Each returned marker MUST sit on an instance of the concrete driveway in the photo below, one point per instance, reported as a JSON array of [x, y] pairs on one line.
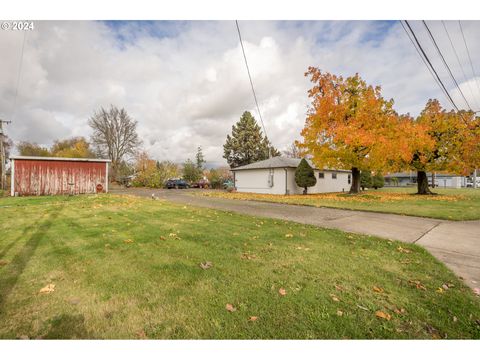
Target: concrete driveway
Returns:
[[457, 244]]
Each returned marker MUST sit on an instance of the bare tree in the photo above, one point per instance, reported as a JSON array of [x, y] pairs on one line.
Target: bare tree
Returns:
[[114, 135], [292, 151]]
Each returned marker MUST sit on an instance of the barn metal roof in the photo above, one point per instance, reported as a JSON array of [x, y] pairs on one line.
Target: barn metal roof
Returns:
[[279, 162], [46, 158]]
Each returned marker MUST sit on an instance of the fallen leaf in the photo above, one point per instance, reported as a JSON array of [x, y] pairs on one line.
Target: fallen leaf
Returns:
[[288, 235], [339, 287], [206, 265], [128, 241], [455, 319], [141, 334], [476, 291], [3, 262], [334, 298], [377, 289], [383, 315], [417, 284], [445, 287], [403, 250], [247, 256], [253, 318], [362, 307], [399, 311], [434, 332], [439, 290], [339, 313], [282, 291], [230, 308], [47, 289], [163, 238]]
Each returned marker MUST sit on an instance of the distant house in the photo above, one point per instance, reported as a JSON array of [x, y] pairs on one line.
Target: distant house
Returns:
[[33, 175], [277, 176], [441, 180]]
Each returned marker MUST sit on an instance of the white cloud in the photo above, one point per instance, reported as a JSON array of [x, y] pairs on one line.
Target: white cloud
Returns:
[[186, 82]]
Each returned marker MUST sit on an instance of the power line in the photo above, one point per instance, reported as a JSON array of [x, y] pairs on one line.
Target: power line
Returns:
[[430, 66], [251, 82], [460, 63], [445, 63], [469, 58], [424, 61]]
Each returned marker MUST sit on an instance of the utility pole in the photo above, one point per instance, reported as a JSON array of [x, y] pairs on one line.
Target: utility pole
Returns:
[[3, 175], [475, 178]]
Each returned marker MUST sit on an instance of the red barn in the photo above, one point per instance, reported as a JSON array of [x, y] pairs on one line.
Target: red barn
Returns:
[[33, 175]]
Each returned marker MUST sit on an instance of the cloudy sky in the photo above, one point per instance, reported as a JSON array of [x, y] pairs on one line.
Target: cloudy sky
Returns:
[[186, 83]]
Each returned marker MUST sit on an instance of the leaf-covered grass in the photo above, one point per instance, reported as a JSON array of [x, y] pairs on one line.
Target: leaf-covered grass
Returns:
[[448, 204], [126, 267]]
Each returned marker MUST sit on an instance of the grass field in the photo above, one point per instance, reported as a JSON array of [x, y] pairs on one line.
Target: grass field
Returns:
[[124, 267], [449, 204]]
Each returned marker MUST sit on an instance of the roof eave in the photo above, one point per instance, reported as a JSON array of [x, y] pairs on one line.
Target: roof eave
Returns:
[[46, 158]]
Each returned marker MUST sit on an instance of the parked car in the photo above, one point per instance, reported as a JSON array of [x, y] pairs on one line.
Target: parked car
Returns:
[[228, 184], [202, 184], [470, 183], [176, 184]]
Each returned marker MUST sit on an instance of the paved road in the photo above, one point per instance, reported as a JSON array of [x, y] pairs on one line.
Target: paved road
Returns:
[[457, 244]]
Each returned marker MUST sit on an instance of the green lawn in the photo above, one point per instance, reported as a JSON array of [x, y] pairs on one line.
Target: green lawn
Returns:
[[128, 268], [448, 204]]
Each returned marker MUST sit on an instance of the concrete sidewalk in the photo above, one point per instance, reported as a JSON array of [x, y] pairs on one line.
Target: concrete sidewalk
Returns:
[[457, 244]]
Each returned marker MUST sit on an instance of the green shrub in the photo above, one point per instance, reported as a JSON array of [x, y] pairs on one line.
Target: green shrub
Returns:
[[366, 180], [378, 181]]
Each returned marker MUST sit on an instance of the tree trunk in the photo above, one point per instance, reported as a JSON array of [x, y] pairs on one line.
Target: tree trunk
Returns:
[[422, 183], [355, 188], [304, 191]]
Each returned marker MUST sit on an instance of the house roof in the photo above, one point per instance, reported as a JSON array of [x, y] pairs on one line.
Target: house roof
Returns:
[[46, 158], [279, 162]]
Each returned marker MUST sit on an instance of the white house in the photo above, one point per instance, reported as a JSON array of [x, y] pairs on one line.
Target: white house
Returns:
[[277, 176], [441, 180]]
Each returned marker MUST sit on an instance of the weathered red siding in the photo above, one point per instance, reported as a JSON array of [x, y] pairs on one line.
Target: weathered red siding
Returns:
[[46, 177]]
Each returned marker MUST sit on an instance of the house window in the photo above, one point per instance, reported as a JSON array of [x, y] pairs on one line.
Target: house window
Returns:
[[349, 178], [334, 175], [321, 175]]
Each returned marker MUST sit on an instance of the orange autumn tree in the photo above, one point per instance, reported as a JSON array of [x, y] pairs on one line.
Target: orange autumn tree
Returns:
[[349, 125], [472, 145], [145, 170], [452, 144]]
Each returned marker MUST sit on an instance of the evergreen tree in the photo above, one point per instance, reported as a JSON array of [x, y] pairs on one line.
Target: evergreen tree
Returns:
[[247, 144], [305, 176], [365, 179], [200, 159]]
